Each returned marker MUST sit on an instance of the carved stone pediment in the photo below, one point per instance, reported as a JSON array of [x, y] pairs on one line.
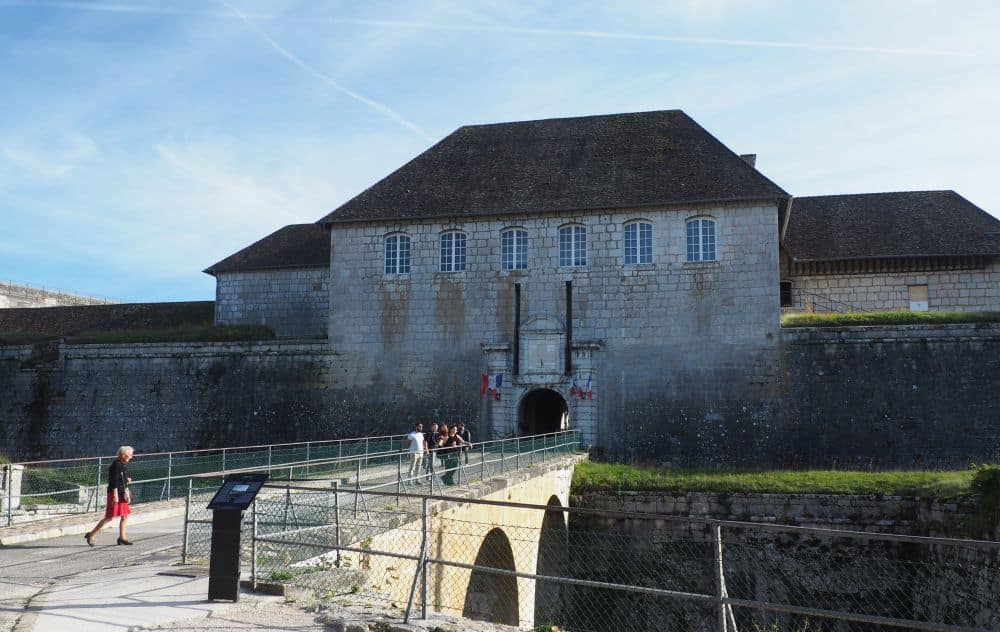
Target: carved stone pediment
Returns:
[[543, 344]]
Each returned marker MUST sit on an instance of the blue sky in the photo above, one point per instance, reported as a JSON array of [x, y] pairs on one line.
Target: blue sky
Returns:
[[142, 141]]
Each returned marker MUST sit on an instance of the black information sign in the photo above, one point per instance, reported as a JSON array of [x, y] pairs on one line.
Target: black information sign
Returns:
[[238, 491], [235, 495]]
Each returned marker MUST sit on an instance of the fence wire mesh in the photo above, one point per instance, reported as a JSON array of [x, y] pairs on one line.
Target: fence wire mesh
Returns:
[[44, 489], [538, 566]]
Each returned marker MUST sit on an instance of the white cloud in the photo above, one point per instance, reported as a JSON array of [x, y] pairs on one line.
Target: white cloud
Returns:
[[46, 155]]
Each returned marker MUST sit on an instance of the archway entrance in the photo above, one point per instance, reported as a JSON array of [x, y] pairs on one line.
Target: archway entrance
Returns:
[[542, 411]]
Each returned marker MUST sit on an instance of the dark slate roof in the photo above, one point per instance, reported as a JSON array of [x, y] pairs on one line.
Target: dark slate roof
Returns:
[[67, 321], [884, 225], [294, 246], [592, 162]]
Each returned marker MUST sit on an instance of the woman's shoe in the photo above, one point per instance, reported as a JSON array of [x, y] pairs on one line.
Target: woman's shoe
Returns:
[[89, 538], [123, 541]]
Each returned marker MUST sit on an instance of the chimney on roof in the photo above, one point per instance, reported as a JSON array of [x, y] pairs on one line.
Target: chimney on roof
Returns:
[[750, 159]]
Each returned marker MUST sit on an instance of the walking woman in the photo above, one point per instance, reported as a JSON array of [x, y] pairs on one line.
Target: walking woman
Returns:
[[118, 497]]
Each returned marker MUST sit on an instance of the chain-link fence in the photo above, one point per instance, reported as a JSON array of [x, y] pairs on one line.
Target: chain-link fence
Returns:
[[305, 498], [43, 489], [583, 569]]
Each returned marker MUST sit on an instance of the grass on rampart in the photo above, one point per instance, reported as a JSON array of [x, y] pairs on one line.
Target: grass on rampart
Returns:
[[24, 337], [887, 318], [610, 477], [222, 333]]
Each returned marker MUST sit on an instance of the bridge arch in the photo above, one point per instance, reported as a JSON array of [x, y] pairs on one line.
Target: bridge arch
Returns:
[[553, 559], [490, 596], [541, 411]]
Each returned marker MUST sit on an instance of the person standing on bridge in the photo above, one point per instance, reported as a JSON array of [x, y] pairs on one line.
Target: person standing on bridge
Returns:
[[430, 444], [466, 435], [415, 444], [118, 497]]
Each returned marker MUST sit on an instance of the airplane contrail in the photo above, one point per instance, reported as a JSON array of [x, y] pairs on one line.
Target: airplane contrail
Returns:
[[292, 57], [518, 30]]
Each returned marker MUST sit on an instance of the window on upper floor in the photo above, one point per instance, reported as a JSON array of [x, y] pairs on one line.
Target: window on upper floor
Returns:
[[397, 254], [573, 246], [514, 249], [701, 239], [638, 243], [453, 252]]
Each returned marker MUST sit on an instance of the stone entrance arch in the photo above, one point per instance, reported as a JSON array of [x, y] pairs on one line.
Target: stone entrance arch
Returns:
[[541, 411], [491, 596]]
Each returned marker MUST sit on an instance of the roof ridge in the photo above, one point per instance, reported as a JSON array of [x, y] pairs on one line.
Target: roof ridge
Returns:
[[574, 118], [833, 195]]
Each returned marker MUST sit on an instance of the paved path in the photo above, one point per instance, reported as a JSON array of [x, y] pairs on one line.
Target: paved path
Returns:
[[30, 568]]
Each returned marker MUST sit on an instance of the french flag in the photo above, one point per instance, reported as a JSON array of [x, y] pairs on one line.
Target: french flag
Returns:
[[496, 381], [573, 389], [590, 392]]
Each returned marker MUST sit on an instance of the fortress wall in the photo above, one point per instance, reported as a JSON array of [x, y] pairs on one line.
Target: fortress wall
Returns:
[[851, 397], [15, 295]]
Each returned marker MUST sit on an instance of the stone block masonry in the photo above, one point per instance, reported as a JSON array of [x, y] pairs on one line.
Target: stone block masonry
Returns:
[[17, 295], [292, 302], [913, 396]]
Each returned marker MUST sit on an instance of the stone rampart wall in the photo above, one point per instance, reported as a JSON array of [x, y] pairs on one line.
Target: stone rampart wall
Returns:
[[915, 396], [15, 295]]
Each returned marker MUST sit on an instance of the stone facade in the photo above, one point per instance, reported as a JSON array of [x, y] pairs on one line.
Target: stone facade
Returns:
[[14, 295], [647, 336], [292, 302], [947, 290]]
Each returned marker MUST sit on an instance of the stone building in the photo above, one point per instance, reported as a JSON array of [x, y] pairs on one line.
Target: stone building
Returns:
[[911, 250], [622, 274]]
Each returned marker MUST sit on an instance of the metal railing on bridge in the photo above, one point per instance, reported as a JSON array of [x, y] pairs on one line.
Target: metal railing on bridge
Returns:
[[364, 477], [550, 567], [34, 490]]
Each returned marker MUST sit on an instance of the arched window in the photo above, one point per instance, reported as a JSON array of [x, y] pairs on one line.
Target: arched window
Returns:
[[701, 239], [453, 252], [638, 243], [572, 246], [397, 254], [514, 249]]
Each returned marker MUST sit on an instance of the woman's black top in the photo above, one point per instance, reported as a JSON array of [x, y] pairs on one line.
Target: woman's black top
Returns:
[[118, 478], [451, 443]]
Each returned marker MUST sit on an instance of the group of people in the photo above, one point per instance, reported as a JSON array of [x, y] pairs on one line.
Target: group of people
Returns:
[[450, 444]]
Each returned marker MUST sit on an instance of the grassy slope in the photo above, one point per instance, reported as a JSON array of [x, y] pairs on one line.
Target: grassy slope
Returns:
[[887, 318], [613, 477]]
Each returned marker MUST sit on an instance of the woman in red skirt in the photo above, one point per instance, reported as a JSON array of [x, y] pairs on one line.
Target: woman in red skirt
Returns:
[[118, 497]]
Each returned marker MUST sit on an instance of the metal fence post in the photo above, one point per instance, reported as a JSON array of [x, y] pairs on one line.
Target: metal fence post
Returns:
[[187, 525], [170, 471], [307, 459], [366, 452], [517, 454], [253, 546], [399, 476], [223, 460], [503, 465], [336, 517], [720, 578], [8, 477], [288, 500], [482, 464], [357, 488], [268, 459], [100, 467]]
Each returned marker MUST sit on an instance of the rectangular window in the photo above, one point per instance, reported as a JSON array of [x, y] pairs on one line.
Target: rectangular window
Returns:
[[514, 250], [701, 240], [572, 246], [918, 298], [453, 252], [397, 254], [786, 293], [638, 243]]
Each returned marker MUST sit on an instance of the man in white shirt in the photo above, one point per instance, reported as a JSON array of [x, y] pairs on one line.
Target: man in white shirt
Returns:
[[415, 444]]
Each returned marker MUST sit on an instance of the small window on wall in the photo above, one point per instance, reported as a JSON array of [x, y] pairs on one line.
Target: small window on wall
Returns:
[[701, 240], [918, 298], [786, 293], [572, 246], [397, 254], [638, 243], [453, 252], [514, 249]]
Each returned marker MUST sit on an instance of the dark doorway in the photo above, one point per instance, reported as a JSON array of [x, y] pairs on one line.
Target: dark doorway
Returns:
[[542, 411], [493, 597]]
